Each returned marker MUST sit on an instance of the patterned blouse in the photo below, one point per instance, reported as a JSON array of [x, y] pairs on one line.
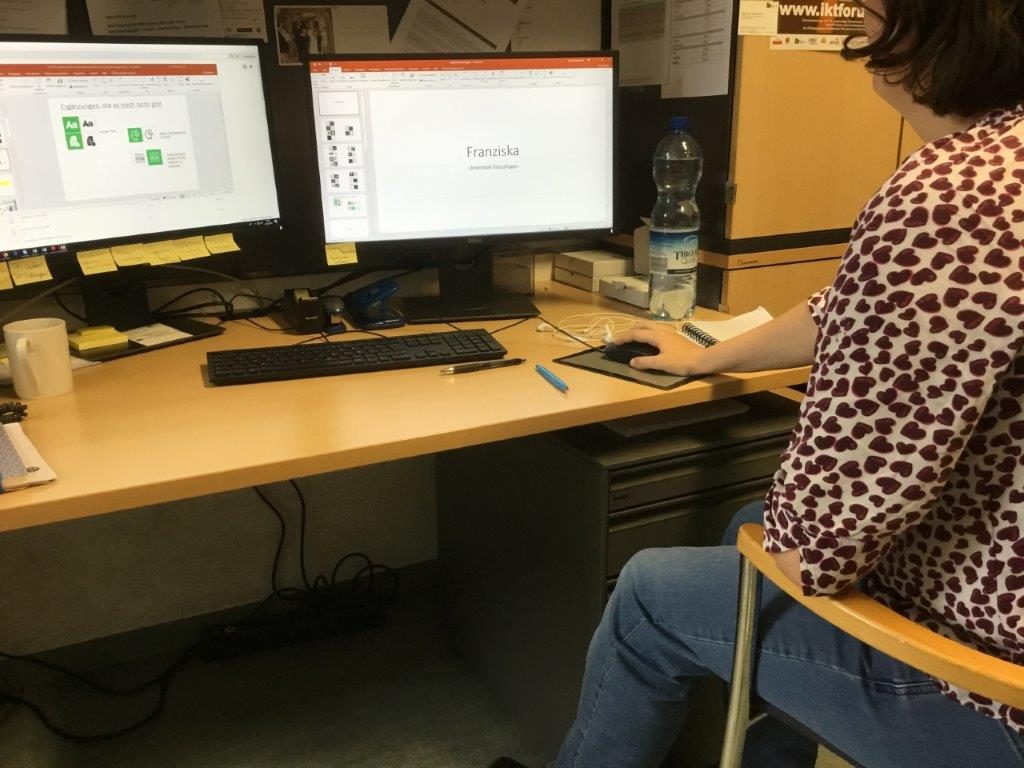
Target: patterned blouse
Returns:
[[906, 469]]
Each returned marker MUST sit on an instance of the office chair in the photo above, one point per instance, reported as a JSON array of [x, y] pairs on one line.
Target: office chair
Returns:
[[865, 619]]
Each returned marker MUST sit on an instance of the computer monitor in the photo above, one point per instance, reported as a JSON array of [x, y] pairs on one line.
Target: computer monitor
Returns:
[[460, 153], [105, 143]]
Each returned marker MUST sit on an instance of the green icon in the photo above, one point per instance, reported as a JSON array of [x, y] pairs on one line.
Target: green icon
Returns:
[[71, 124], [154, 157], [72, 132], [135, 135], [74, 140]]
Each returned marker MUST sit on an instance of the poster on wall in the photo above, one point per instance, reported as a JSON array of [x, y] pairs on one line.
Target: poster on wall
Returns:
[[33, 17], [820, 26]]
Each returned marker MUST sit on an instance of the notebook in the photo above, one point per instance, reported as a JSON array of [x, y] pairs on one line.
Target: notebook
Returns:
[[20, 462], [707, 333]]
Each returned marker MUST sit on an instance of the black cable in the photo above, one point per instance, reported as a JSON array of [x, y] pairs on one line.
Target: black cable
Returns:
[[223, 301], [60, 303], [302, 534], [250, 321], [510, 325], [280, 540]]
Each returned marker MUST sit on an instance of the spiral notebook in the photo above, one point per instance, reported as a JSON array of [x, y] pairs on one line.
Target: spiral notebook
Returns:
[[707, 333]]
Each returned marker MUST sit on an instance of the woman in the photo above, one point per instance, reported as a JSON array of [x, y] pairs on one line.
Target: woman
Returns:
[[906, 470]]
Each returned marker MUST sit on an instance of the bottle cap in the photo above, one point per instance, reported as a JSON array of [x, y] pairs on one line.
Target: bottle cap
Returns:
[[679, 123]]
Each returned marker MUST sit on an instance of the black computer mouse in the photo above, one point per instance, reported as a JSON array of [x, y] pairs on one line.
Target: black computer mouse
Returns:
[[623, 353]]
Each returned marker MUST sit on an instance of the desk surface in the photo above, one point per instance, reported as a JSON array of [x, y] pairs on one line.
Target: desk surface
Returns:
[[150, 428]]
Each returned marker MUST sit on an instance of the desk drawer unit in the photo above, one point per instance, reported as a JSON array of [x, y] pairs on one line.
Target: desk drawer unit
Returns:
[[533, 532]]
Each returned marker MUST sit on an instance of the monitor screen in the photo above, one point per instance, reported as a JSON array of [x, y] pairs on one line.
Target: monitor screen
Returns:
[[105, 141], [429, 147]]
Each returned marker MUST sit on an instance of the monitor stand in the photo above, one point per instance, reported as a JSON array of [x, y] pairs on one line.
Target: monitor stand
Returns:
[[466, 288], [120, 300]]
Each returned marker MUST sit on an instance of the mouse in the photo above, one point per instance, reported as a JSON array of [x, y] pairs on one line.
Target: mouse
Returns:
[[623, 353]]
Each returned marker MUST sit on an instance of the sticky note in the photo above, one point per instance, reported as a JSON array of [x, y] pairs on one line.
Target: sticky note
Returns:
[[221, 243], [130, 255], [341, 253], [96, 262], [191, 248], [162, 252], [5, 277], [30, 270]]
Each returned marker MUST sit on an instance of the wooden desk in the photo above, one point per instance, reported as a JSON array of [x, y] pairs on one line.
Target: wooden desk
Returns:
[[151, 429]]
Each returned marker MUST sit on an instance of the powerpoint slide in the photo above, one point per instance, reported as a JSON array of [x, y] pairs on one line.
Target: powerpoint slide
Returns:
[[345, 181], [346, 206], [340, 130], [342, 155], [494, 157], [338, 103], [123, 146], [348, 230]]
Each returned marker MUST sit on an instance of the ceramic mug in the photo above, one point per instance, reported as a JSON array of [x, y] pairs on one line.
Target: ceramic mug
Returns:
[[39, 357]]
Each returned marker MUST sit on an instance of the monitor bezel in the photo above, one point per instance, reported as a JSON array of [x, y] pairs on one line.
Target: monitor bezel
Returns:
[[423, 245], [238, 227]]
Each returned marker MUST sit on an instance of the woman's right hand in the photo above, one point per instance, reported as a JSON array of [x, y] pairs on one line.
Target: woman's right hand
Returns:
[[676, 354]]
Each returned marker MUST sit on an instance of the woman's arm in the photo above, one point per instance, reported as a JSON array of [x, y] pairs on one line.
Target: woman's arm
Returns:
[[785, 342]]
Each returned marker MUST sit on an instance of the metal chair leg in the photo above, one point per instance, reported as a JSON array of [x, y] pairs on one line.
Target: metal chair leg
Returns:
[[742, 668]]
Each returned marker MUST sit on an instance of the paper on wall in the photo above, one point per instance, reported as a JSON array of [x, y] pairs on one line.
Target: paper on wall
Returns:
[[33, 17], [178, 18], [493, 20], [361, 29], [244, 18], [758, 17], [639, 35], [700, 45], [807, 42], [426, 28], [558, 25]]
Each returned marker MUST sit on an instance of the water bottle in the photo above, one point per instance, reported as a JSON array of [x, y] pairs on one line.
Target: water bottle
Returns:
[[675, 221]]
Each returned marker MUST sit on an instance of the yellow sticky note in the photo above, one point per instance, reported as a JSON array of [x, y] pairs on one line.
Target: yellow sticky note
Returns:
[[130, 255], [341, 253], [97, 261], [190, 248], [30, 270], [162, 252], [221, 243], [5, 277]]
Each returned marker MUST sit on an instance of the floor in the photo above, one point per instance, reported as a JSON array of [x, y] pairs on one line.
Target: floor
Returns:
[[395, 696]]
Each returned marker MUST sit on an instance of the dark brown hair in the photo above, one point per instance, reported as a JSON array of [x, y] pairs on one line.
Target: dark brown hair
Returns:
[[961, 57]]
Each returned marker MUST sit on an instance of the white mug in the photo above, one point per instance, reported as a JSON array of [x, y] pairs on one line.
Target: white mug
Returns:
[[39, 357]]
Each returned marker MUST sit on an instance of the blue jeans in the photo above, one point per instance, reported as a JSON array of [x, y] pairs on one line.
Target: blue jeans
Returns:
[[670, 621]]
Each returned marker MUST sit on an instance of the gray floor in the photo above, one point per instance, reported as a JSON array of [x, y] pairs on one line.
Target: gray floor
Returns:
[[397, 696]]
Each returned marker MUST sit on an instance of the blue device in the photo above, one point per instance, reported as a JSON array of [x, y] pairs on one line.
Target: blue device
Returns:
[[368, 306]]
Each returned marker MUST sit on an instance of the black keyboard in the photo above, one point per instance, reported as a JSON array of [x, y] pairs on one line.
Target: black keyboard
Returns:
[[245, 366]]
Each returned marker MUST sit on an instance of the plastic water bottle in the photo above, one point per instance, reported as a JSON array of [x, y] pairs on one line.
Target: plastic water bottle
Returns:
[[675, 222]]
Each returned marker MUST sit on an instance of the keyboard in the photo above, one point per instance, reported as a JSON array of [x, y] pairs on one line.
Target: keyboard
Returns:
[[247, 366]]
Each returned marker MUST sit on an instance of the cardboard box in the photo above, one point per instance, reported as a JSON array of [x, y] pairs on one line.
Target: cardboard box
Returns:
[[633, 290], [585, 282], [595, 263]]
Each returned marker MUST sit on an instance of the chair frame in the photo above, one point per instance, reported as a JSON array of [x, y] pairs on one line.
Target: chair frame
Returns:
[[864, 618]]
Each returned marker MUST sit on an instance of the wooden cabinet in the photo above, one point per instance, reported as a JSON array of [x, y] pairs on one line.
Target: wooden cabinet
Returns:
[[811, 141]]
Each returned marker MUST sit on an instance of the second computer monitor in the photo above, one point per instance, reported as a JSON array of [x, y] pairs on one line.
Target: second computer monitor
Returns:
[[461, 152]]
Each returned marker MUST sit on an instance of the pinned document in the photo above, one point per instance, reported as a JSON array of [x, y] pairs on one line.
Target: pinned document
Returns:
[[30, 270], [339, 254], [96, 262], [130, 255], [6, 283], [224, 243]]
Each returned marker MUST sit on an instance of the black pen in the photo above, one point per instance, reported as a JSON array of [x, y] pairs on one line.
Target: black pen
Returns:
[[481, 366]]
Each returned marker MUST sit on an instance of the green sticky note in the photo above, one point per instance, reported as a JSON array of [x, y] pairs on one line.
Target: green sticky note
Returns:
[[154, 157], [135, 135]]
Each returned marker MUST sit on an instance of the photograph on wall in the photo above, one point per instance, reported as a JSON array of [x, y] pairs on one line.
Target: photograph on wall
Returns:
[[302, 31]]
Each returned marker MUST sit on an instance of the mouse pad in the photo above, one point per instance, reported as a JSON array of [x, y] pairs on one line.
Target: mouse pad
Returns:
[[594, 360]]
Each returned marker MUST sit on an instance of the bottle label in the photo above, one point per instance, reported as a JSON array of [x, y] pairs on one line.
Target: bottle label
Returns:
[[673, 251]]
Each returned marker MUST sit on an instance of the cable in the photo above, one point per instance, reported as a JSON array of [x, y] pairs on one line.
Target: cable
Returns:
[[559, 328], [60, 303], [510, 325], [223, 301], [302, 534], [280, 540], [36, 299]]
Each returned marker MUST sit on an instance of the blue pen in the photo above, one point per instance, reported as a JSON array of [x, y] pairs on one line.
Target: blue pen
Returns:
[[553, 380]]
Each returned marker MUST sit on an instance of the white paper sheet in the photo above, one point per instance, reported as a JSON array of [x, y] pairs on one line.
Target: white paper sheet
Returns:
[[244, 18], [700, 42], [361, 29], [758, 17], [166, 18], [425, 28], [33, 17], [493, 20], [639, 35], [558, 25]]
